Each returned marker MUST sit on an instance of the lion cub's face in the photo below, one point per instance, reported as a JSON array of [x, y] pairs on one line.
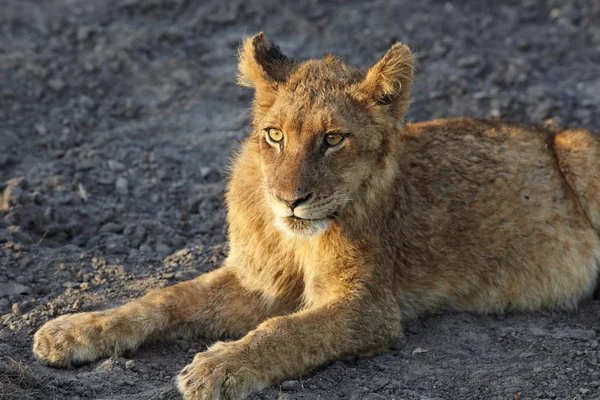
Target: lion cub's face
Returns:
[[324, 129]]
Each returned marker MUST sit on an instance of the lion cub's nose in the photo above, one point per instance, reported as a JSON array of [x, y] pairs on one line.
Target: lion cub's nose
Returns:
[[296, 202]]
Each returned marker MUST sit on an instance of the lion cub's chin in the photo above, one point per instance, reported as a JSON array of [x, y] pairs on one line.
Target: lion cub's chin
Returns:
[[301, 228]]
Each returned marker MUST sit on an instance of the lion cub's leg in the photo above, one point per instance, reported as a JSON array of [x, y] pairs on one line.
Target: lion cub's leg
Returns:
[[578, 153], [289, 346], [214, 304]]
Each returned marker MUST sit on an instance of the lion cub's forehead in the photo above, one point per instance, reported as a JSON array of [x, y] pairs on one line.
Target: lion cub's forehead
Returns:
[[317, 77]]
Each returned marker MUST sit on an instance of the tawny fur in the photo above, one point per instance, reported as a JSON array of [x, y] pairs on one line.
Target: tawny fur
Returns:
[[401, 220]]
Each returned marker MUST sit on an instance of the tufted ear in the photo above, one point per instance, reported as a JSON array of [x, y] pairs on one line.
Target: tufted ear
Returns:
[[389, 81], [263, 67]]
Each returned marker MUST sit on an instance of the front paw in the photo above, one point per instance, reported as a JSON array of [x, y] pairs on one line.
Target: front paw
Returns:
[[67, 340], [220, 373]]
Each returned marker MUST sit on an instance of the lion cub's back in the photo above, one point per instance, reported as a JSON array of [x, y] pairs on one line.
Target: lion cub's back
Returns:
[[490, 220]]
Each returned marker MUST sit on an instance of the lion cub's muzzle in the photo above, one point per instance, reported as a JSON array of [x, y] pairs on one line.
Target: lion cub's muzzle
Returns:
[[302, 215]]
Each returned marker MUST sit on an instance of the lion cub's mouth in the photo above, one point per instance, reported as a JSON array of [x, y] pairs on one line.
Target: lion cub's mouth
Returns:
[[301, 227]]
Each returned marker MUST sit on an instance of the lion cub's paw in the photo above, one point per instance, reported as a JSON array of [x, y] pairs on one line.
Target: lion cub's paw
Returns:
[[219, 373], [68, 340]]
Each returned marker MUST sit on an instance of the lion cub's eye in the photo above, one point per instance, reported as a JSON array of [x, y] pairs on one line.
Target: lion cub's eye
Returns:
[[274, 135], [333, 139]]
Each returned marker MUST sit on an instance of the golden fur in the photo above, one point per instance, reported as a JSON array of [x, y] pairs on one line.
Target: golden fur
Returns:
[[396, 221]]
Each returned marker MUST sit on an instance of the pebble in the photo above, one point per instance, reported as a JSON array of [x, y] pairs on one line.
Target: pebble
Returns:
[[116, 166], [122, 185], [111, 227], [290, 386], [183, 77], [56, 84], [211, 175], [469, 61], [108, 365], [41, 129], [83, 33], [132, 365]]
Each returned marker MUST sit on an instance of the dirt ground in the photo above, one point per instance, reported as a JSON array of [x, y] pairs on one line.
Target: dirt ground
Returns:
[[117, 119]]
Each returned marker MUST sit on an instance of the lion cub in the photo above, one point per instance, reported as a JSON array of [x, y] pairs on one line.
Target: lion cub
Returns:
[[344, 221]]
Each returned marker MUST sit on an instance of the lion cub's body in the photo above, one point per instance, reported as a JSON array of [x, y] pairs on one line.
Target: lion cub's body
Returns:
[[344, 221], [479, 218]]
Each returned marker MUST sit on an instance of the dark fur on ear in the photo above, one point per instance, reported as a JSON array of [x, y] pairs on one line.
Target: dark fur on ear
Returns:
[[263, 66], [267, 54], [389, 81]]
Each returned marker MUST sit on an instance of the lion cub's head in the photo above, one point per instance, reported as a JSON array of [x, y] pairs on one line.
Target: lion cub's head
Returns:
[[326, 130]]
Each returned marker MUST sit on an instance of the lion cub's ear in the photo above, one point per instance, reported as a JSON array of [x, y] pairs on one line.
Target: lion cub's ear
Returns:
[[263, 67], [389, 81]]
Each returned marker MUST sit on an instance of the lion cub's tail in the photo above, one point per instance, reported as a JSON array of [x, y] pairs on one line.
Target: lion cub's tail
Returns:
[[578, 154]]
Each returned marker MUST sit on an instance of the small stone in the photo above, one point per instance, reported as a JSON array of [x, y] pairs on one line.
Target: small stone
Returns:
[[41, 129], [132, 365], [121, 185], [15, 309], [211, 175], [111, 227], [115, 165], [469, 61], [584, 391], [108, 365], [56, 84], [290, 386], [83, 33], [594, 344], [182, 276], [88, 66], [183, 77]]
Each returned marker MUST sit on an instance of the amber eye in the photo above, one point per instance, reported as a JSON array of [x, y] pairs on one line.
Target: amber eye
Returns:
[[333, 139], [275, 135]]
